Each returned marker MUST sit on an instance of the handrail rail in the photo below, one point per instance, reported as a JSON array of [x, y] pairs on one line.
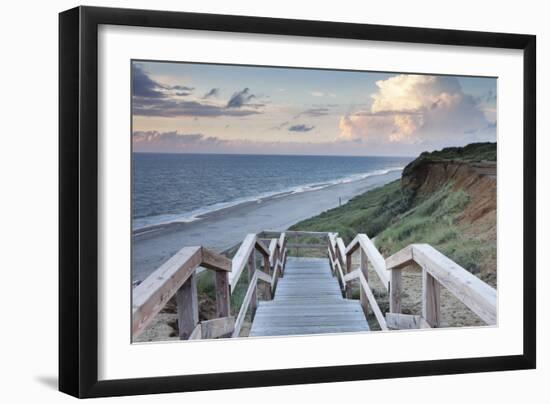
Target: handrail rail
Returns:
[[358, 274], [250, 244], [369, 253], [151, 295], [376, 259], [477, 295], [336, 260], [275, 257]]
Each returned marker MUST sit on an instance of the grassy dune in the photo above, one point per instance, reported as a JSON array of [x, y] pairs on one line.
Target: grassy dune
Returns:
[[397, 216]]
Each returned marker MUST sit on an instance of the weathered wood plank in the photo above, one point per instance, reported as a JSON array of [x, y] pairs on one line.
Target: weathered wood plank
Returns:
[[374, 305], [150, 296], [261, 248], [331, 260], [431, 299], [364, 270], [398, 321], [376, 259], [308, 299], [320, 321], [348, 259], [241, 259], [353, 245], [263, 276], [222, 294], [332, 238], [352, 275], [395, 290], [244, 307], [215, 261], [272, 251], [400, 259], [188, 307], [251, 274], [217, 327], [197, 333], [341, 248], [469, 289], [373, 255], [282, 241], [308, 330], [340, 274]]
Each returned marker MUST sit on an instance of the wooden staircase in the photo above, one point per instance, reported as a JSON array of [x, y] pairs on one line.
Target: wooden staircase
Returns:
[[306, 295], [308, 300]]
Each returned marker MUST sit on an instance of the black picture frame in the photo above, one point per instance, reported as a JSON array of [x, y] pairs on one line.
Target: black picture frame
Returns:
[[78, 200]]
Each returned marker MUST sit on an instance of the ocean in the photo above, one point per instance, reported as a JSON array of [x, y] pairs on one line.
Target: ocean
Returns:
[[183, 187]]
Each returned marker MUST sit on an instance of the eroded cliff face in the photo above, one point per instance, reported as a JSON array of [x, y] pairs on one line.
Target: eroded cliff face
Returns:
[[478, 180]]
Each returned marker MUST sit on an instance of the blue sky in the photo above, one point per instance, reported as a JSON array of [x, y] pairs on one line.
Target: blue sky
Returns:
[[205, 108]]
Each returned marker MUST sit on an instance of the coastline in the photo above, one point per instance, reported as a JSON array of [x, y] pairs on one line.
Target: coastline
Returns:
[[225, 227]]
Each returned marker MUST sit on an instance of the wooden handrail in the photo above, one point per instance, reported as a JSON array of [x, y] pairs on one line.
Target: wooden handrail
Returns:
[[240, 259], [477, 295], [375, 258], [360, 274], [151, 295], [250, 244], [336, 259], [178, 277], [260, 246], [244, 307]]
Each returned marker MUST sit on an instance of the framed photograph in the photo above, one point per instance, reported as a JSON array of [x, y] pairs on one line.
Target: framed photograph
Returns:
[[251, 201]]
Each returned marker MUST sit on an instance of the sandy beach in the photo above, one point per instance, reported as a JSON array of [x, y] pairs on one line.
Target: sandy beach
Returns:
[[224, 228]]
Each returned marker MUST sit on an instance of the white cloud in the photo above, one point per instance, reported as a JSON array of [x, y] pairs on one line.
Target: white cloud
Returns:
[[317, 94], [418, 109]]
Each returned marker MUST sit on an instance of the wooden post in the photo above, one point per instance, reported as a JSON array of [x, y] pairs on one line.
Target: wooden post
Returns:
[[395, 291], [251, 271], [188, 307], [267, 270], [222, 294], [365, 271], [267, 267], [431, 300], [347, 285]]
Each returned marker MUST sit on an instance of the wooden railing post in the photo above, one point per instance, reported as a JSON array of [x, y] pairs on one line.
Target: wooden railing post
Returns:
[[365, 271], [188, 307], [222, 294], [431, 300], [395, 290], [347, 286], [251, 272], [267, 266]]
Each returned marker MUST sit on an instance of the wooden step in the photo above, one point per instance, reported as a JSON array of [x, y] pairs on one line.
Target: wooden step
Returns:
[[308, 300]]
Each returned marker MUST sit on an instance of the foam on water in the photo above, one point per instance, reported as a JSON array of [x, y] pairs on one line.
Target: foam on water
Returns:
[[143, 218]]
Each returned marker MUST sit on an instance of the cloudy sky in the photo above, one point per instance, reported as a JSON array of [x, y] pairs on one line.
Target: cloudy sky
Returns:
[[201, 108]]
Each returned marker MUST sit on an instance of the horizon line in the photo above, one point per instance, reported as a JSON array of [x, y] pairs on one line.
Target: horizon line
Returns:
[[272, 154]]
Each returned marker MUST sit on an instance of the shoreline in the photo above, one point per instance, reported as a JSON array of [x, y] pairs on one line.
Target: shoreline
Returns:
[[223, 228], [223, 207]]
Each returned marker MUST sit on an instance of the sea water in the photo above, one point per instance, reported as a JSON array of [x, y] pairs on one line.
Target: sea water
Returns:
[[183, 187]]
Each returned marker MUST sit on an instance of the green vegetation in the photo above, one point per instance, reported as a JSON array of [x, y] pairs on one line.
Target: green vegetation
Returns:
[[396, 218], [369, 213], [434, 221], [472, 152]]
